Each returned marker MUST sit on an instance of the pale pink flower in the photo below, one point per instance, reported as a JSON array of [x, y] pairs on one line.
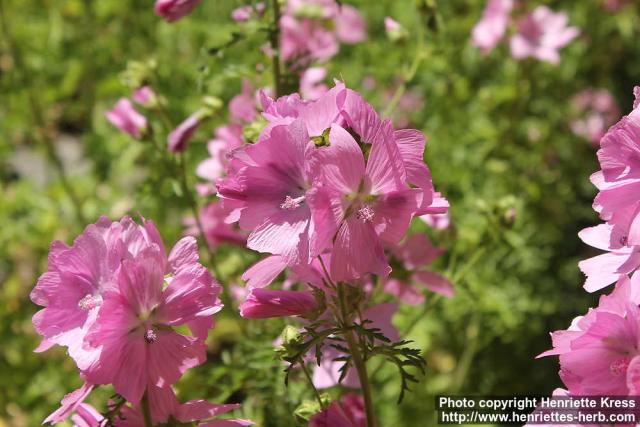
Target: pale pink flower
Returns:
[[172, 10], [311, 83], [264, 303], [391, 25], [351, 28], [541, 34], [179, 138], [605, 269], [145, 96], [134, 330], [268, 192], [125, 117], [597, 110], [349, 411], [242, 107], [242, 13], [618, 182], [164, 406], [413, 255], [227, 139], [438, 213], [492, 26]]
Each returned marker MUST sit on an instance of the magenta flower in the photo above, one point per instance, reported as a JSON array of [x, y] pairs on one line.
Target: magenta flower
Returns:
[[127, 119], [413, 255], [134, 330], [268, 192], [492, 26], [264, 303], [87, 416], [598, 111], [70, 403], [172, 10], [349, 411], [605, 269], [179, 138], [165, 407], [242, 13], [541, 34]]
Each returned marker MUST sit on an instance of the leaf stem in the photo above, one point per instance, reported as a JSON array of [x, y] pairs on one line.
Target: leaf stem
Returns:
[[274, 37], [308, 375]]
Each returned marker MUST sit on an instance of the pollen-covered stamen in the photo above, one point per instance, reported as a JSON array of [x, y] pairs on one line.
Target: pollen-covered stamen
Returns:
[[619, 367], [89, 302], [290, 203], [150, 336], [365, 214]]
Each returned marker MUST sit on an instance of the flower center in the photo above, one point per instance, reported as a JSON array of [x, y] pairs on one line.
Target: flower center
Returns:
[[619, 367], [89, 302], [150, 336], [290, 203], [365, 214]]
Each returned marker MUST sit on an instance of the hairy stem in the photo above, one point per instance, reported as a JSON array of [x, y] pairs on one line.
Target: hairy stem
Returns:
[[146, 411], [310, 380], [275, 47], [358, 361]]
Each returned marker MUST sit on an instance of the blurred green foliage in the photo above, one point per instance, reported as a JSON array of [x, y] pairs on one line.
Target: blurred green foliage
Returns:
[[500, 149]]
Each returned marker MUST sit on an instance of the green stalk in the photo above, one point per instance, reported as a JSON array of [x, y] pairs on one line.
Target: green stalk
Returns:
[[274, 37]]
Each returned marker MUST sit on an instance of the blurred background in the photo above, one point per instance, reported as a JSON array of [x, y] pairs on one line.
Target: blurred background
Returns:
[[505, 147]]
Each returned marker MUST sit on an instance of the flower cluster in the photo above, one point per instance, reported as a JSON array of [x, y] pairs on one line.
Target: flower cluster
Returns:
[[539, 34], [599, 352], [597, 110], [129, 314]]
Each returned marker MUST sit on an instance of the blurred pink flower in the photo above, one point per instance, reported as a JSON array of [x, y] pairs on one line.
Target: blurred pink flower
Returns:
[[242, 107], [311, 83], [351, 28], [492, 26], [413, 255], [349, 411], [598, 110], [391, 24], [145, 96], [264, 303], [172, 10], [125, 117], [242, 13], [227, 139], [437, 215], [541, 34], [216, 230], [179, 138]]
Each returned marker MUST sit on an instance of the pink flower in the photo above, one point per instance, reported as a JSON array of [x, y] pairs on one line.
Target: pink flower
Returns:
[[134, 330], [264, 303], [311, 83], [350, 27], [413, 255], [127, 119], [243, 106], [598, 111], [164, 406], [242, 14], [216, 230], [227, 139], [599, 352], [179, 138], [541, 34], [391, 25], [349, 411], [172, 10], [491, 28], [607, 268], [145, 96], [87, 416], [268, 192]]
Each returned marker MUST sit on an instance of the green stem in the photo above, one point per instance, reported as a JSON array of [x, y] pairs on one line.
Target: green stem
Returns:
[[358, 361], [310, 380], [275, 47], [146, 412], [38, 117]]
